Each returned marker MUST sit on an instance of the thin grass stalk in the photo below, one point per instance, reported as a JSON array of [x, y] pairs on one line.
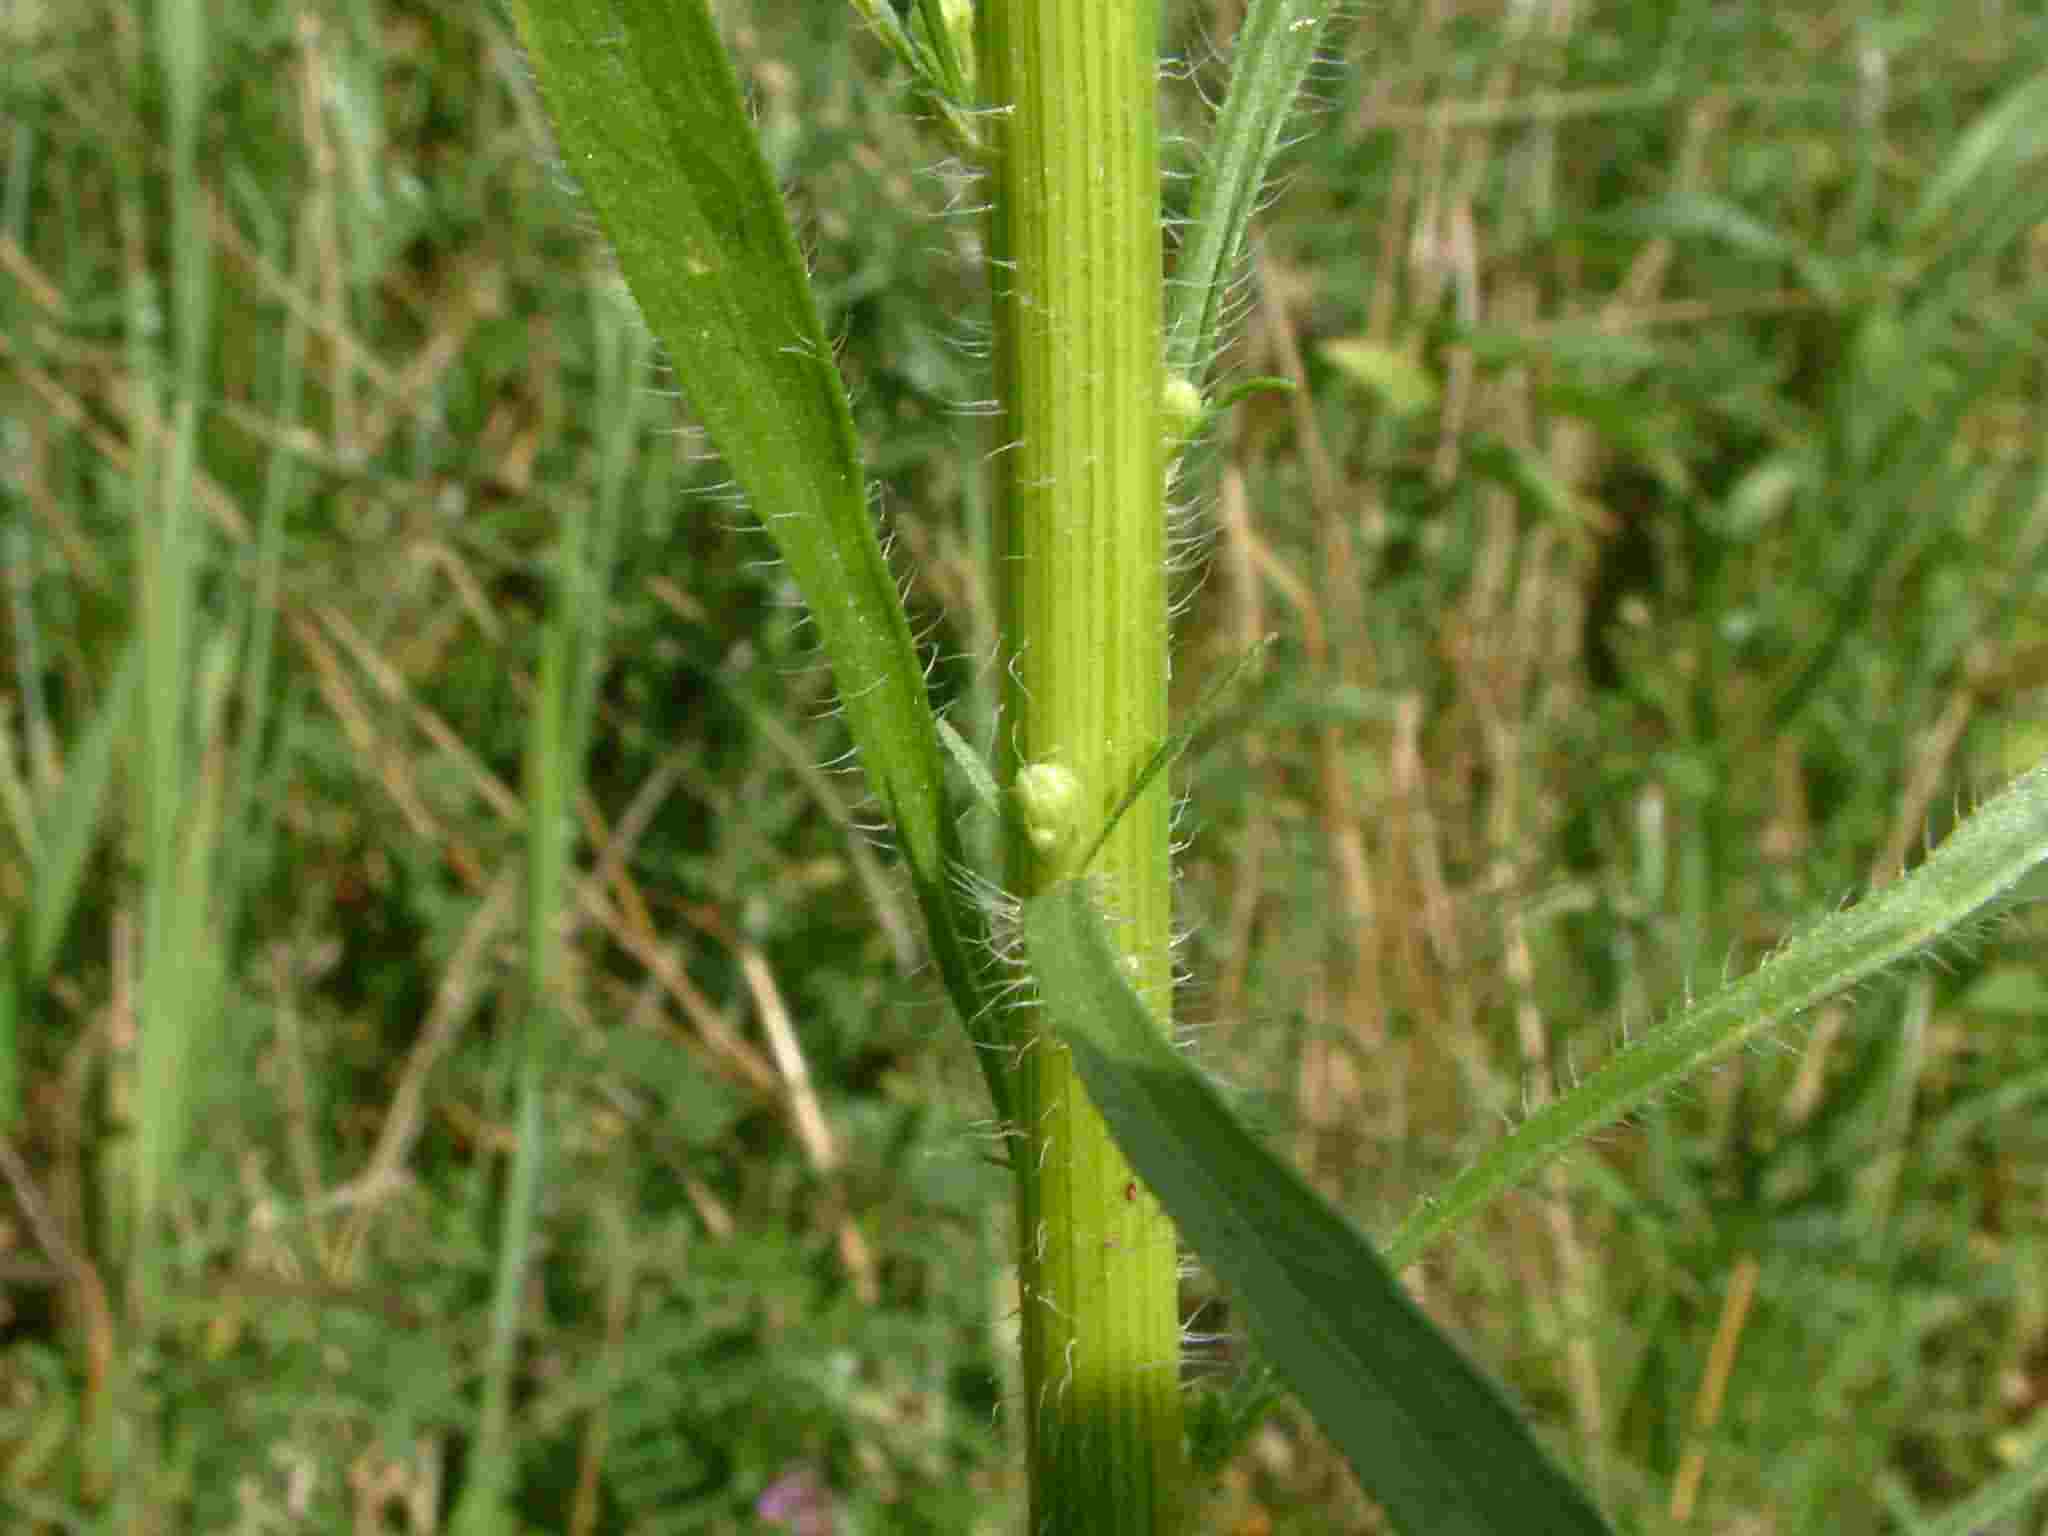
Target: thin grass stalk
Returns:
[[1075, 263], [552, 764], [258, 625], [557, 743], [166, 558], [15, 964], [178, 830]]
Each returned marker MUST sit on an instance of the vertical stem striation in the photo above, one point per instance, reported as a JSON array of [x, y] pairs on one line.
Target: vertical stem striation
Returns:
[[1075, 260]]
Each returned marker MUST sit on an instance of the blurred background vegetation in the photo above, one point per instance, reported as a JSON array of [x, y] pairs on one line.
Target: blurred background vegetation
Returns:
[[1656, 545]]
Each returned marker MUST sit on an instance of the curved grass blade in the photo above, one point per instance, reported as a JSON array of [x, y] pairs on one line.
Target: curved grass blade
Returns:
[[1429, 1437], [650, 119]]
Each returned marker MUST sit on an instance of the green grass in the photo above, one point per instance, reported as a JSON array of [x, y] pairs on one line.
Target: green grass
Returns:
[[1705, 591]]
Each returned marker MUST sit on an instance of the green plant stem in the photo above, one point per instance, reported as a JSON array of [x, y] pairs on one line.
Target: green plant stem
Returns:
[[1080, 569]]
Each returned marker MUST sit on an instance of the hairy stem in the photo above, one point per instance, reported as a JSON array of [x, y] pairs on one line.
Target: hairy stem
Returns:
[[1080, 551]]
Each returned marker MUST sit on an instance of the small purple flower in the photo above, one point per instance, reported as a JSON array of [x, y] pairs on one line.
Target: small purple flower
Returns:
[[799, 1501]]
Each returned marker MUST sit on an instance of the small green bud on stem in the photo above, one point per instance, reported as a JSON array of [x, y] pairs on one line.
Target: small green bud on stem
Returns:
[[1182, 410], [1048, 800]]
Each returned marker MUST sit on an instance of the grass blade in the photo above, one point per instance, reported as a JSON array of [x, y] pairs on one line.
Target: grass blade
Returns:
[[67, 829]]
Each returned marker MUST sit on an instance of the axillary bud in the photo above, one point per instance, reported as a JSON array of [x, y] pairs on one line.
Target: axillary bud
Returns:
[[1048, 802]]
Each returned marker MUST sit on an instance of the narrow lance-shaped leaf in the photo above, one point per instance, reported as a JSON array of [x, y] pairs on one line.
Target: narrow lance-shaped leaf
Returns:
[[1274, 47], [1429, 1437], [1981, 863], [651, 121]]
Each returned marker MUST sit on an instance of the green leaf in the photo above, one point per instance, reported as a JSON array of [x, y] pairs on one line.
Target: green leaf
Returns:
[[1221, 1421], [698, 1108], [1691, 216], [67, 830], [650, 118], [979, 779], [939, 54], [1565, 347], [1980, 870], [1530, 477], [1394, 376], [2008, 139], [2014, 991], [1429, 1437], [2006, 1494], [1275, 44]]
